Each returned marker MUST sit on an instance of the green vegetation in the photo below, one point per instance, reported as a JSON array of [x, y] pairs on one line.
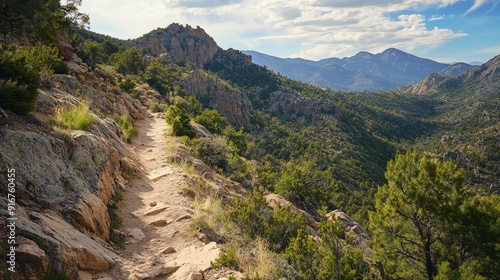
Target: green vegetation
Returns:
[[226, 259], [116, 221], [21, 71], [38, 21], [160, 77], [178, 118], [305, 186], [211, 120], [76, 117], [53, 274], [319, 149], [157, 107], [129, 61], [213, 152], [427, 222], [254, 218], [18, 84], [128, 128]]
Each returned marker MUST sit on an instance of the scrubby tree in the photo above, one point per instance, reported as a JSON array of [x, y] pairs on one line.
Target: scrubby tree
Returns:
[[306, 186], [38, 20], [160, 77], [278, 226], [303, 253], [427, 223], [213, 152], [21, 70], [236, 139], [212, 120], [178, 118], [128, 62], [18, 84]]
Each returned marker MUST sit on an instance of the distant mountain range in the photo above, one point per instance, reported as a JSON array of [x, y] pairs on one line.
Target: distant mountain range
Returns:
[[364, 71]]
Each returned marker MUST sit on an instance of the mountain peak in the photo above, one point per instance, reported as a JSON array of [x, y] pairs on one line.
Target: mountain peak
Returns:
[[393, 50], [182, 42], [363, 54]]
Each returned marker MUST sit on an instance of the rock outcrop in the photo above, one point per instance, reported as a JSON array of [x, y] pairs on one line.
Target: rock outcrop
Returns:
[[353, 229], [215, 93], [181, 43], [274, 199]]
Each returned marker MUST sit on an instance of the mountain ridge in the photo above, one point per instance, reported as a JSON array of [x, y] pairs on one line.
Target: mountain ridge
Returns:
[[364, 71]]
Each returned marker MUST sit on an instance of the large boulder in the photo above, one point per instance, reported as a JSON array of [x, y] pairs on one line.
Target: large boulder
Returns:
[[67, 247], [353, 229]]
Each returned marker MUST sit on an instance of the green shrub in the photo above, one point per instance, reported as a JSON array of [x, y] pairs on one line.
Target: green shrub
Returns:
[[305, 186], [53, 274], [42, 59], [128, 128], [239, 170], [178, 118], [116, 221], [18, 83], [256, 219], [160, 77], [304, 254], [194, 105], [128, 62], [214, 152], [236, 139], [77, 118], [226, 259], [211, 120], [156, 107], [127, 85]]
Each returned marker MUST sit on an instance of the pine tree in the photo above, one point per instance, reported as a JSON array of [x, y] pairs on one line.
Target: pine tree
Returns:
[[425, 217]]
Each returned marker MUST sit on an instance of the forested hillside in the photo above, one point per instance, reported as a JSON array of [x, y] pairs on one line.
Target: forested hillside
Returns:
[[418, 167]]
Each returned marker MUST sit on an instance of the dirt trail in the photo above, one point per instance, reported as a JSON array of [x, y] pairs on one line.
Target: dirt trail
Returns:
[[156, 216]]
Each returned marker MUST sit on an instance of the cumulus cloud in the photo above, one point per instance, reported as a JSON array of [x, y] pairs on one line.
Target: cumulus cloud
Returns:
[[312, 29]]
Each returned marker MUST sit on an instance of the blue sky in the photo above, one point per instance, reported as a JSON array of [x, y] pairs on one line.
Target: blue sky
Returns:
[[443, 30]]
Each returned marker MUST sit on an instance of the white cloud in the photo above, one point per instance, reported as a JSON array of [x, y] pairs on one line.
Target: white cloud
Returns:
[[437, 17], [477, 4], [313, 29]]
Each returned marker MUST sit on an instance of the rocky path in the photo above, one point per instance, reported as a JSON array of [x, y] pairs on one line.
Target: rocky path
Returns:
[[160, 242]]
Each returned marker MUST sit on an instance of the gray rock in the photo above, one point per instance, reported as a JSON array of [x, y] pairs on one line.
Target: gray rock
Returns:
[[136, 234]]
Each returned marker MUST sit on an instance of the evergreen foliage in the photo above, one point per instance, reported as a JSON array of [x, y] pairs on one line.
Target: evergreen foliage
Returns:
[[38, 21], [160, 77], [18, 83], [214, 152], [305, 186], [256, 219], [211, 120], [427, 220], [178, 118], [128, 61]]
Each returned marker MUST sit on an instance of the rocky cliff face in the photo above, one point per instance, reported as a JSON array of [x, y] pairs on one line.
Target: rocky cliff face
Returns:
[[66, 180], [218, 94], [181, 42]]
